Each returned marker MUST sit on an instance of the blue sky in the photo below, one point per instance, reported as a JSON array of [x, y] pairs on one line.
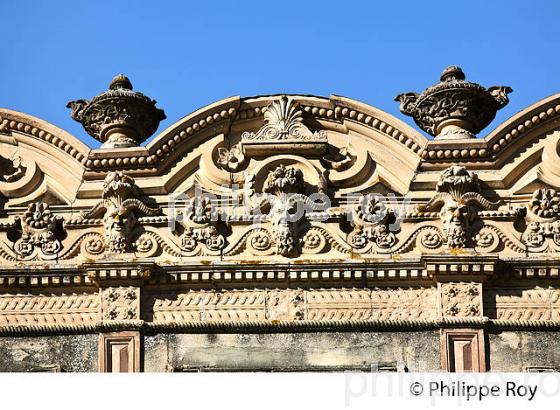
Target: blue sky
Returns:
[[186, 55]]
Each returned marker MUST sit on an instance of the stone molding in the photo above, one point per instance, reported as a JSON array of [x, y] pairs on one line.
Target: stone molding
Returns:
[[87, 241]]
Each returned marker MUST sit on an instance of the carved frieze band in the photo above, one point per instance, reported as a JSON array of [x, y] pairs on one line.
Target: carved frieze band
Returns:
[[28, 310], [449, 301], [522, 303], [458, 216], [297, 304]]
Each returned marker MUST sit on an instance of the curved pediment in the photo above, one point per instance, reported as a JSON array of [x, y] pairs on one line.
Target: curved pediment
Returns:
[[39, 160], [370, 185], [281, 213]]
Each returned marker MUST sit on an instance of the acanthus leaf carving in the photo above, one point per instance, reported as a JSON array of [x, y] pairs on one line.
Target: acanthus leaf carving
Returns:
[[458, 197], [40, 230], [284, 131], [120, 208], [372, 220], [201, 226]]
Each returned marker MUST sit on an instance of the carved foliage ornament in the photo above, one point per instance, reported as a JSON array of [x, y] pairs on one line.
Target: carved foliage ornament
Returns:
[[231, 159], [11, 170], [201, 226], [454, 108], [285, 208], [118, 117], [461, 299], [39, 230], [287, 186], [121, 303], [120, 209], [284, 131], [458, 195], [545, 203], [372, 220]]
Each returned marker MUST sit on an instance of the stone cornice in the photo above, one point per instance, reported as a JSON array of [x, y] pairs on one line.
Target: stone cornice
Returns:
[[421, 271]]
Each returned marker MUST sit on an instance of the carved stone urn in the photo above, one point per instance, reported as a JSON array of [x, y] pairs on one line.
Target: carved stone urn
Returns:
[[118, 117], [454, 108]]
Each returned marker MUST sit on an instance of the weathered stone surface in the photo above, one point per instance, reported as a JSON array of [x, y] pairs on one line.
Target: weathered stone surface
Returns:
[[519, 351], [72, 353], [415, 351], [282, 232]]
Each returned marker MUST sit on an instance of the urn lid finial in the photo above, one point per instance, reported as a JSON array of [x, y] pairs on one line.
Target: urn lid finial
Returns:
[[453, 72], [118, 117], [454, 108], [120, 81]]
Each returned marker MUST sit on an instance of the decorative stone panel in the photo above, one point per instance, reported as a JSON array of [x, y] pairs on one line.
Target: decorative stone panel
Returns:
[[26, 310], [209, 306], [461, 299], [285, 305], [339, 304], [297, 304], [538, 303], [404, 303], [121, 303]]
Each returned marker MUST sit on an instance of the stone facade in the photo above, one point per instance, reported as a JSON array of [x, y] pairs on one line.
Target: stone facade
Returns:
[[283, 233]]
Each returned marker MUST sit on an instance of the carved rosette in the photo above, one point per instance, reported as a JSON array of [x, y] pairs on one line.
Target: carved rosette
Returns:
[[454, 108], [120, 303], [118, 117], [201, 227], [40, 232], [545, 206], [372, 221], [461, 299]]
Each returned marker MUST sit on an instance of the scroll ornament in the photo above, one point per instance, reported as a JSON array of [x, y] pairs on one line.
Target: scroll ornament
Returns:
[[40, 229], [545, 204], [120, 209], [458, 197], [201, 226], [372, 220]]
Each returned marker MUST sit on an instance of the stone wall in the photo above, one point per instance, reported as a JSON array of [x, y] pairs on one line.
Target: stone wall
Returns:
[[316, 351], [72, 353], [518, 351], [508, 351]]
